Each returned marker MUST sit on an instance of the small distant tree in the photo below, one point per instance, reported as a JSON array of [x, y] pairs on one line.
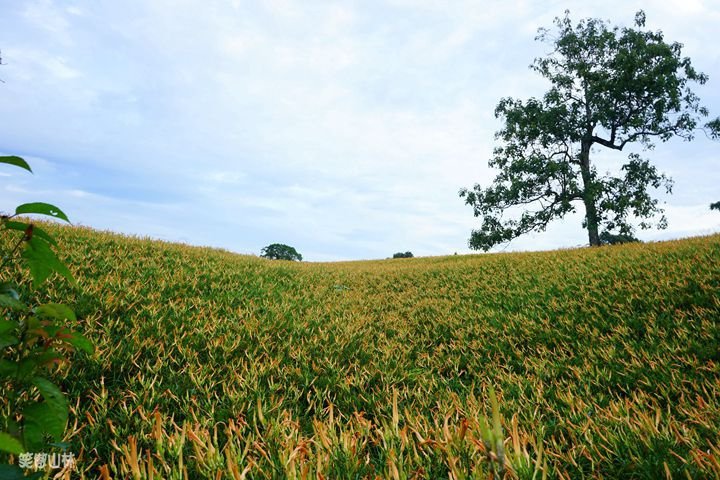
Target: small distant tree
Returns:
[[715, 206], [403, 255], [279, 251], [608, 238]]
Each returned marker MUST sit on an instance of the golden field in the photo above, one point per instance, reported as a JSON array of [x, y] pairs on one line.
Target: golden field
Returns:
[[605, 361]]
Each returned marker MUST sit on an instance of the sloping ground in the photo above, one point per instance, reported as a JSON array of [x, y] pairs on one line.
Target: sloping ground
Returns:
[[214, 365]]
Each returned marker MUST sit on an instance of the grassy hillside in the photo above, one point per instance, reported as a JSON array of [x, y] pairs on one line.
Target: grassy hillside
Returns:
[[606, 362]]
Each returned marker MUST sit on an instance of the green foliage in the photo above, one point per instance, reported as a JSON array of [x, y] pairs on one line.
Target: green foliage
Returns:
[[17, 161], [42, 209], [715, 206], [34, 412], [279, 251], [493, 438], [610, 87], [10, 444], [402, 255], [712, 129], [608, 238]]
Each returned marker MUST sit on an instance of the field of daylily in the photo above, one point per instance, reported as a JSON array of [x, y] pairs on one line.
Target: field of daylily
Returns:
[[605, 363]]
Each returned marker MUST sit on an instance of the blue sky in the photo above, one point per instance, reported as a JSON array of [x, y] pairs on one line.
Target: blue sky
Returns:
[[344, 129]]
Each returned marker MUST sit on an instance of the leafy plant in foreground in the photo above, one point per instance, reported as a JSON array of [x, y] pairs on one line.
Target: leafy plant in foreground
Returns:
[[32, 340]]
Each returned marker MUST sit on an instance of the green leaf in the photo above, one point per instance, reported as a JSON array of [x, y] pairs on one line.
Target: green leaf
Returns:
[[81, 343], [42, 262], [13, 428], [41, 209], [7, 326], [7, 340], [47, 418], [52, 330], [33, 323], [9, 302], [7, 368], [50, 392], [55, 311], [12, 472], [37, 232], [10, 444], [17, 161], [27, 367], [41, 359]]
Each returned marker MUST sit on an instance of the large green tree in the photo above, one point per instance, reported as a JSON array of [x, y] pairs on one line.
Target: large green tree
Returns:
[[610, 87]]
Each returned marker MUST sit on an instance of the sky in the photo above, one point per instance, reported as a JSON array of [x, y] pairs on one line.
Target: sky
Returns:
[[342, 128]]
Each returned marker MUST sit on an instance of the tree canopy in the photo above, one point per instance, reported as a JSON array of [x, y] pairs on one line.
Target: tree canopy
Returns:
[[607, 238], [610, 87], [402, 255], [279, 251]]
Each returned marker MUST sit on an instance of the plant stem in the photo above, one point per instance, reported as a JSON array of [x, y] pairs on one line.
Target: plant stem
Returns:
[[9, 256]]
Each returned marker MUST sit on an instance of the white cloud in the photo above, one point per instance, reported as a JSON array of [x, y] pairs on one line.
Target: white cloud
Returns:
[[347, 127], [45, 15]]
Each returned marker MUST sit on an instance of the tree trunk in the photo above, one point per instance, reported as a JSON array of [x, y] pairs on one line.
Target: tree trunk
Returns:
[[591, 216]]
